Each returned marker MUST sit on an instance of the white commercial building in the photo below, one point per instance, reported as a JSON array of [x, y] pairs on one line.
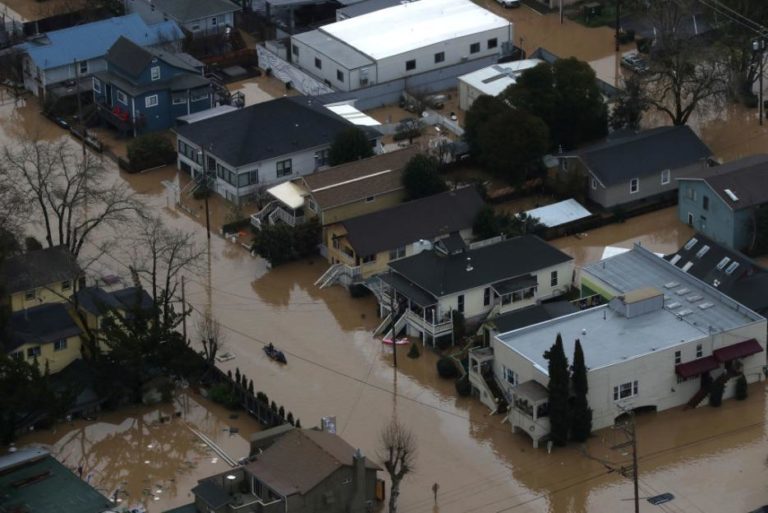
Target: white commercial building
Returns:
[[399, 42], [491, 81], [646, 349]]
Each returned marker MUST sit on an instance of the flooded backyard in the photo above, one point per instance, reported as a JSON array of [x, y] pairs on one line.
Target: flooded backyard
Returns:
[[336, 368]]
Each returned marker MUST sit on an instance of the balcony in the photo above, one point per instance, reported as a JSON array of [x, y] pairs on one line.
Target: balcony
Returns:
[[529, 412], [292, 218], [119, 118]]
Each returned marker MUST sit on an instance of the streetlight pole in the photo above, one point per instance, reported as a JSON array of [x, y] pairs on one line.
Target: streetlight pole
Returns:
[[206, 179], [618, 24], [758, 48]]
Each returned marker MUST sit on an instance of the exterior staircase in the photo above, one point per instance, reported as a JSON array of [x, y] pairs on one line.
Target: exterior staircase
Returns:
[[703, 392], [495, 390], [399, 325], [329, 276]]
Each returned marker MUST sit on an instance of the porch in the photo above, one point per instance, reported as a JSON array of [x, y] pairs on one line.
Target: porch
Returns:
[[118, 118], [286, 207], [529, 411], [483, 380], [515, 293]]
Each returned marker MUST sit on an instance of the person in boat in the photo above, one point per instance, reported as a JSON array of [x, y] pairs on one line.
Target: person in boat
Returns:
[[270, 347]]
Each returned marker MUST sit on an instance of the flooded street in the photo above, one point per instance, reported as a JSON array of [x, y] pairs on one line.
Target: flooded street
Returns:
[[336, 368]]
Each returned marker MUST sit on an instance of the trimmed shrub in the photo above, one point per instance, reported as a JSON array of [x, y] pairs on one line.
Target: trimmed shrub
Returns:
[[446, 368], [716, 394], [463, 388], [741, 388], [224, 395], [414, 352], [150, 150]]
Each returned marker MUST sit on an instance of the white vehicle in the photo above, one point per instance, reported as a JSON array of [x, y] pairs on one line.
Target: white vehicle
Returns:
[[509, 3]]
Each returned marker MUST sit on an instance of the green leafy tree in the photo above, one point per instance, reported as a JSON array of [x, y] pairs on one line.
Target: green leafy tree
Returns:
[[512, 144], [581, 414], [559, 392], [482, 109], [489, 223], [566, 97], [150, 150], [742, 390], [716, 393], [23, 391], [486, 224], [281, 243], [421, 177], [350, 145]]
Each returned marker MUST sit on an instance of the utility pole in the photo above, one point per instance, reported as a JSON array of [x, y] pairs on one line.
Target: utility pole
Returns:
[[758, 49], [392, 318], [618, 23], [628, 428], [561, 12], [79, 105], [183, 309]]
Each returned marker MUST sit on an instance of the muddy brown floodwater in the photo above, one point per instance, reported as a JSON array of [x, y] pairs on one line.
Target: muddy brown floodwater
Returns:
[[336, 368]]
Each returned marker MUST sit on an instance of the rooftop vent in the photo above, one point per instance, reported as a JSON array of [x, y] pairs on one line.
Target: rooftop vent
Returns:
[[671, 285], [469, 264], [705, 306], [731, 195], [684, 312], [673, 305], [694, 297], [683, 291]]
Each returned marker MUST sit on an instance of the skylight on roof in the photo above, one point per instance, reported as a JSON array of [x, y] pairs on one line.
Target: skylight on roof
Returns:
[[731, 195], [675, 259], [723, 263], [691, 243], [732, 268], [687, 266], [702, 252]]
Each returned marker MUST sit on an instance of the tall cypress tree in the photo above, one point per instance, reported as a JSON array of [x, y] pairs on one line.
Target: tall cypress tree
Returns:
[[581, 414], [559, 391]]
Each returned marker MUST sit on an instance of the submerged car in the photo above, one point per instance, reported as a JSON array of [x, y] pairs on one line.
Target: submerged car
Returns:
[[634, 62]]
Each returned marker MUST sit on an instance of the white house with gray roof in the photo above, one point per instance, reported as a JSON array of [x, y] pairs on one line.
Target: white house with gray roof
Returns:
[[400, 41], [646, 349], [199, 17]]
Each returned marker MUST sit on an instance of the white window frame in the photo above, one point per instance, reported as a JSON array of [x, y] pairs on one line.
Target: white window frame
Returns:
[[554, 279], [666, 176], [594, 184], [96, 85], [280, 168], [30, 294], [34, 351], [699, 350], [630, 389], [510, 376], [199, 96], [154, 73], [179, 100], [396, 253], [121, 97], [60, 345], [151, 101], [82, 68], [678, 357], [636, 183]]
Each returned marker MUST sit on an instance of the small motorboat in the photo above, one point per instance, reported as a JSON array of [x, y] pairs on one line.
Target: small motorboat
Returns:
[[396, 342], [275, 353]]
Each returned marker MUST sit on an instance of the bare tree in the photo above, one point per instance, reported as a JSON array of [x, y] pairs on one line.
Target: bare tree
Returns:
[[69, 193], [685, 71], [397, 450], [211, 335], [161, 255]]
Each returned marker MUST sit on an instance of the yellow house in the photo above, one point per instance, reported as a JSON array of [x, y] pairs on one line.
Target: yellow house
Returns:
[[47, 334], [40, 277], [364, 246], [341, 192]]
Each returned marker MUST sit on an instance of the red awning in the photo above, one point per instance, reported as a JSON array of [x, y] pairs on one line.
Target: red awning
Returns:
[[696, 367], [740, 350]]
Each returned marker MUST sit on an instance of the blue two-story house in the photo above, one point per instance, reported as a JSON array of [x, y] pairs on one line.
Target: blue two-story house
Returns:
[[721, 202], [146, 89]]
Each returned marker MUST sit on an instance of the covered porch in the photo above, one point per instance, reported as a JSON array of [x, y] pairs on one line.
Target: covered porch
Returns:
[[529, 411], [515, 293], [483, 380], [287, 206]]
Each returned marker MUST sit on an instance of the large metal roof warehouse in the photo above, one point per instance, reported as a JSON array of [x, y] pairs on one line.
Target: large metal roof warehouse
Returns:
[[400, 41]]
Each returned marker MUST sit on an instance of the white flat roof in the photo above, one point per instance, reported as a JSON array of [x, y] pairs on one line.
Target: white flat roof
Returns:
[[413, 25], [289, 194], [559, 213], [352, 115], [494, 79], [207, 113]]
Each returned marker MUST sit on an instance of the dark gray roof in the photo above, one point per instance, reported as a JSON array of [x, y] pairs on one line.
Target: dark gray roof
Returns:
[[96, 300], [747, 283], [619, 159], [212, 494], [407, 288], [441, 275], [746, 178], [186, 10], [532, 315], [180, 82], [266, 130], [133, 59], [133, 297], [39, 268], [424, 218], [41, 324], [367, 6]]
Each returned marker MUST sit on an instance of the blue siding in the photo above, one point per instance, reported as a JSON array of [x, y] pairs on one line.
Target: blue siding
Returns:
[[718, 221]]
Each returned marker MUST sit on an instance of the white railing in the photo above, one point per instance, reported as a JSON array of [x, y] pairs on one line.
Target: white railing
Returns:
[[258, 218], [434, 329], [285, 217]]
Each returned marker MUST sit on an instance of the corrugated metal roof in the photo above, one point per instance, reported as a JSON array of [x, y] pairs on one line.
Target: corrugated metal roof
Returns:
[[92, 40]]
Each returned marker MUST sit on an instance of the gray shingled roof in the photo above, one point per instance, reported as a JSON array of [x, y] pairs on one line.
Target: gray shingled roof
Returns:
[[266, 130], [189, 10], [39, 268], [621, 158], [532, 315], [133, 59], [212, 494], [746, 178], [41, 324], [424, 218], [442, 275]]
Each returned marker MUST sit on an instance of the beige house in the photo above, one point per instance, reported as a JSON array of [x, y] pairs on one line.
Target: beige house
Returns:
[[46, 334], [364, 246], [40, 277]]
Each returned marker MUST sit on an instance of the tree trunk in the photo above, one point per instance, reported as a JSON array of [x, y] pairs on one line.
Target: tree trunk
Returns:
[[394, 494]]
